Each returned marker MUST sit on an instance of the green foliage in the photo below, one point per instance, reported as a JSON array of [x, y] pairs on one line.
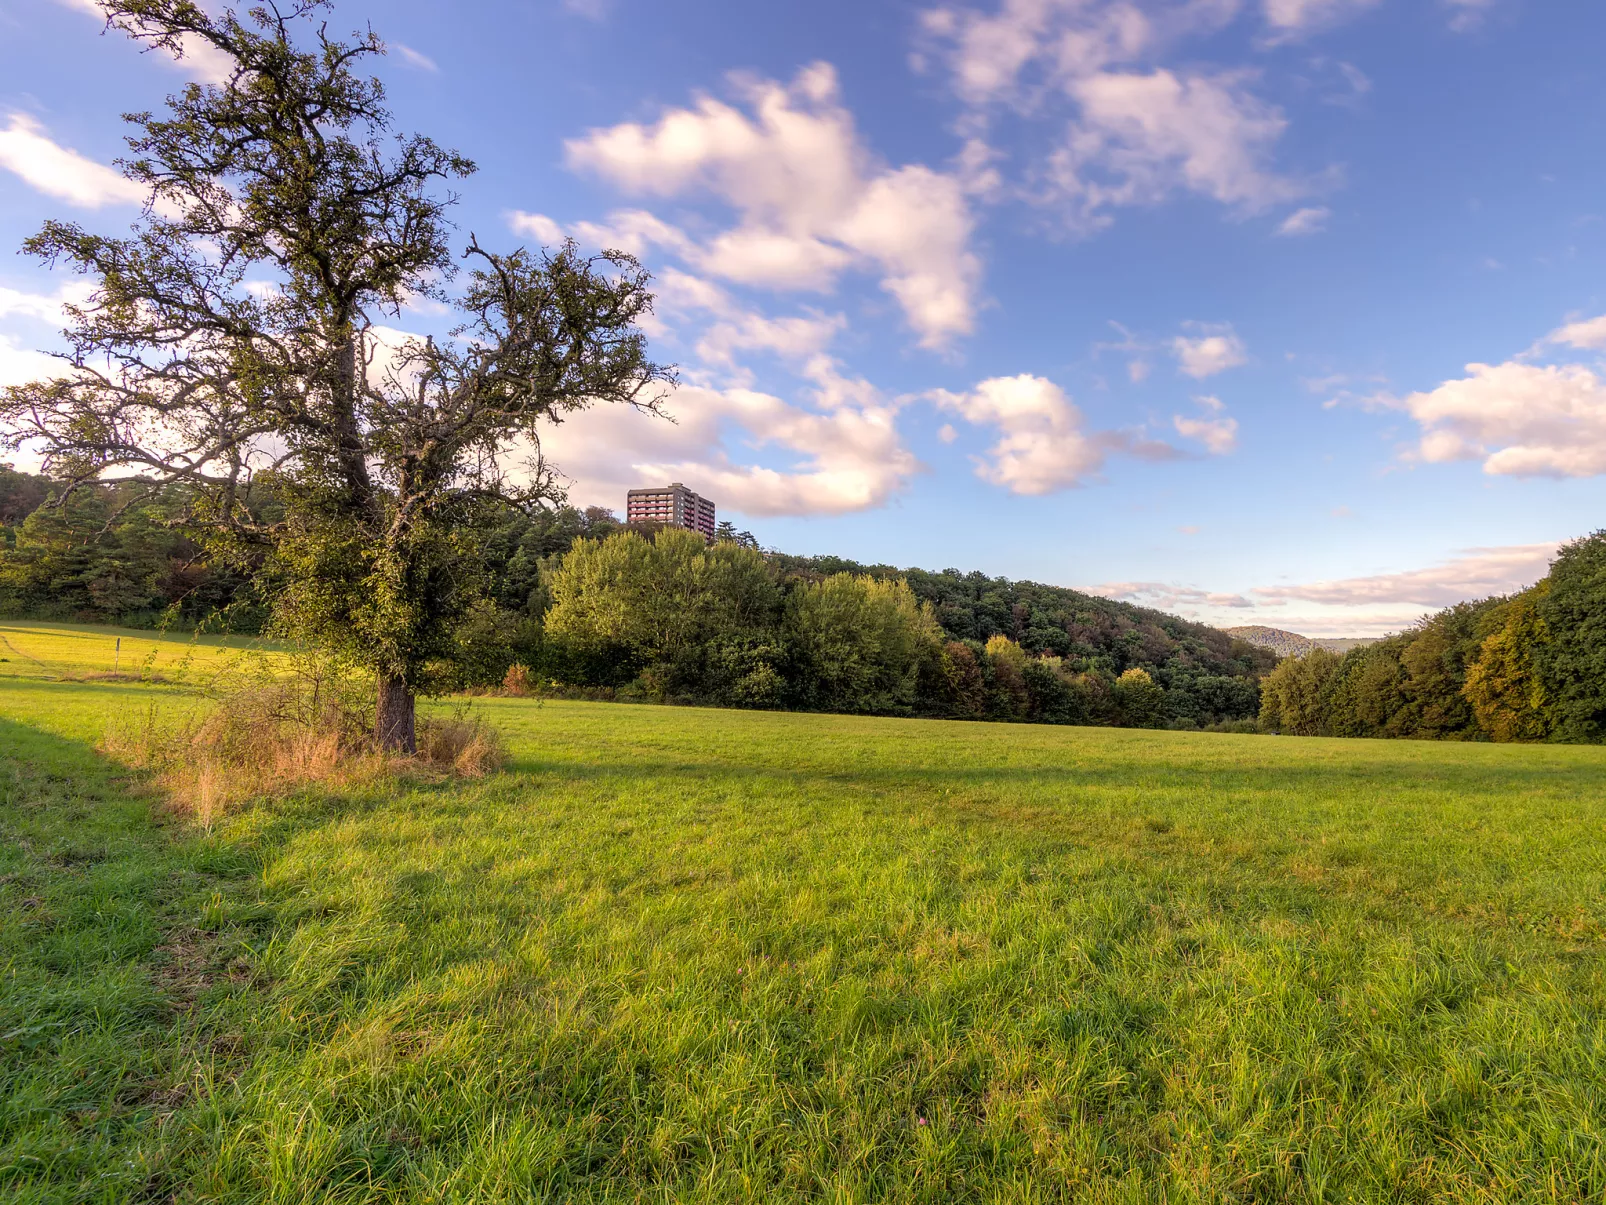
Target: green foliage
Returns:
[[383, 461], [1139, 701], [860, 643], [1571, 662], [1503, 685], [117, 553], [1089, 633], [671, 607], [1526, 668], [1294, 696]]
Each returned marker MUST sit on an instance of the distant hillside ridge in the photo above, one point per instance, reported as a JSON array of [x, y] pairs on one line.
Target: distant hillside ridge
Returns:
[[1292, 644]]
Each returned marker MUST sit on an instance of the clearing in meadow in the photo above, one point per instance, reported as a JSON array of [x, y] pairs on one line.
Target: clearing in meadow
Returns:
[[681, 954]]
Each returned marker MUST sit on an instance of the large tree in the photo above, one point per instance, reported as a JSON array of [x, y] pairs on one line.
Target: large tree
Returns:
[[232, 343]]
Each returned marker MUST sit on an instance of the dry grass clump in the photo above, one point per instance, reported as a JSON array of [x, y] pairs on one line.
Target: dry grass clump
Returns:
[[518, 683], [270, 737], [462, 743]]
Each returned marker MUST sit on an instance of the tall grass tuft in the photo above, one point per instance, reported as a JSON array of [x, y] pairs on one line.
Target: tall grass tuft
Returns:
[[269, 736]]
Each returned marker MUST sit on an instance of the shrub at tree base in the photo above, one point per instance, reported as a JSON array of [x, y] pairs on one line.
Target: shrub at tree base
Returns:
[[269, 738]]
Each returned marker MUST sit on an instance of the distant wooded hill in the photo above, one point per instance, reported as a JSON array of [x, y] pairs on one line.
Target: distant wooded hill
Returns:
[[1292, 644]]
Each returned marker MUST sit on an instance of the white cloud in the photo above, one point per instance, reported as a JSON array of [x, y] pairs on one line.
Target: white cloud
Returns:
[[840, 454], [1217, 431], [1310, 220], [1467, 14], [1475, 573], [45, 307], [1215, 348], [534, 225], [1587, 334], [1137, 130], [1168, 596], [27, 150], [20, 365], [793, 338], [1141, 136], [990, 55], [198, 59], [415, 58], [1520, 419], [1043, 444], [1370, 605], [810, 199], [1299, 16], [633, 231]]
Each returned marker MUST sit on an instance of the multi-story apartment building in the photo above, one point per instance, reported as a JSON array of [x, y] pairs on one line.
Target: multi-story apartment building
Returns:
[[674, 505]]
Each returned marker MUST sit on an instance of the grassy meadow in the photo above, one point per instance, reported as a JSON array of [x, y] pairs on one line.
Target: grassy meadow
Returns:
[[678, 954]]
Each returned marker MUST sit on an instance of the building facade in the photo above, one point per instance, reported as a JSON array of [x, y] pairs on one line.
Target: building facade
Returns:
[[674, 506]]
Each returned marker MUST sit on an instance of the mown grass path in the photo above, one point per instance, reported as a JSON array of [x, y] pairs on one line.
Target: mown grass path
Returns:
[[675, 954]]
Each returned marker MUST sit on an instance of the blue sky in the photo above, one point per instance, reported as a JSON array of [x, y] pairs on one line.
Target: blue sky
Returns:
[[1263, 311]]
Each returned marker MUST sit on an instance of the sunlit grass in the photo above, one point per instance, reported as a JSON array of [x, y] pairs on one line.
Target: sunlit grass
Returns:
[[51, 650], [679, 954]]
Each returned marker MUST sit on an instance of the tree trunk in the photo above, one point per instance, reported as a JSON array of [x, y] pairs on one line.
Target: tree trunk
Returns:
[[393, 718]]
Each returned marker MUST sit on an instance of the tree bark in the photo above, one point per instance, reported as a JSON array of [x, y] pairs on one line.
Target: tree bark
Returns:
[[393, 717]]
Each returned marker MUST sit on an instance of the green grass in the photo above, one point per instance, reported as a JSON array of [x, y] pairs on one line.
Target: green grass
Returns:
[[677, 954], [55, 651]]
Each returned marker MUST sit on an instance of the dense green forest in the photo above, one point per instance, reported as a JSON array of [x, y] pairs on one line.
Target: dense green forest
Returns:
[[574, 599], [1527, 667]]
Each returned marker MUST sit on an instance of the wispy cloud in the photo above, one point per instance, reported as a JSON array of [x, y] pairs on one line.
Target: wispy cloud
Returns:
[[196, 58], [1474, 573], [1310, 220], [57, 171], [415, 58]]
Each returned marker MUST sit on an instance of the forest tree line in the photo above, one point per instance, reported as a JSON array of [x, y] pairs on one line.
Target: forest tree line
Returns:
[[573, 599], [1526, 667]]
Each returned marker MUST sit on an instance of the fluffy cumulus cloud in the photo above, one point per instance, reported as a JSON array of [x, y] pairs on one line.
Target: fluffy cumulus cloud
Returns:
[[1474, 573], [1130, 128], [1588, 334], [834, 450], [1208, 349], [1043, 443], [1519, 419], [27, 150], [1215, 429], [810, 201]]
